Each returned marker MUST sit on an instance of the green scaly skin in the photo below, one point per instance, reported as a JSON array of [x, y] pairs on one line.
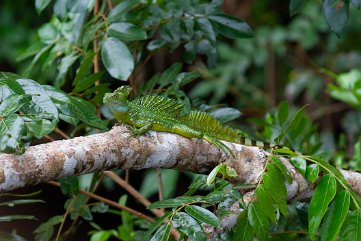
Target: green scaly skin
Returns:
[[164, 114]]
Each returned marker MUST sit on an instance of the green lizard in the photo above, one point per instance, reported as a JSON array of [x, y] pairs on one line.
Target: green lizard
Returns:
[[164, 114]]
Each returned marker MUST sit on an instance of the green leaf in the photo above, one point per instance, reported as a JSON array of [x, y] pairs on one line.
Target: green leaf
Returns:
[[48, 33], [335, 216], [12, 129], [84, 67], [243, 229], [127, 32], [274, 185], [163, 233], [13, 103], [40, 5], [85, 111], [51, 222], [230, 26], [225, 114], [63, 68], [206, 26], [39, 127], [30, 51], [312, 172], [258, 220], [212, 176], [300, 164], [203, 215], [21, 202], [9, 80], [154, 226], [189, 226], [336, 14], [296, 6], [42, 105], [118, 11], [351, 230], [72, 107], [102, 235], [87, 82], [282, 112], [9, 218], [268, 205], [117, 58], [168, 76], [69, 186], [282, 168], [321, 198], [171, 203]]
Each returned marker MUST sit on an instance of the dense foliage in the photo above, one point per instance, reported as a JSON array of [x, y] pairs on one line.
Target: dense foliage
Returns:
[[195, 52]]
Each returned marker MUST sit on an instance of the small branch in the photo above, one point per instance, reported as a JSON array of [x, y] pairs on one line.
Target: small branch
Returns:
[[63, 134], [133, 192], [110, 203], [160, 185]]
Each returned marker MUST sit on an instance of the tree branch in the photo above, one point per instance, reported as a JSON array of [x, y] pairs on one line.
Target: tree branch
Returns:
[[118, 149]]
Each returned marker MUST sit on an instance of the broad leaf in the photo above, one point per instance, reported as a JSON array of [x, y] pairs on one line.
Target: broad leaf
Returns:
[[312, 172], [118, 11], [230, 26], [84, 67], [203, 215], [87, 82], [296, 6], [189, 226], [127, 32], [282, 168], [42, 105], [282, 112], [13, 103], [258, 220], [39, 127], [274, 185], [352, 228], [12, 129], [162, 233], [335, 216], [212, 176], [72, 107], [154, 226], [171, 203], [243, 230], [117, 58], [225, 114], [41, 4], [300, 164], [51, 222], [321, 198], [268, 205], [336, 14]]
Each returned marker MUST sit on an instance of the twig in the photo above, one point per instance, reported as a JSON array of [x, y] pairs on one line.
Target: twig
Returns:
[[63, 134], [133, 192], [160, 185], [109, 202]]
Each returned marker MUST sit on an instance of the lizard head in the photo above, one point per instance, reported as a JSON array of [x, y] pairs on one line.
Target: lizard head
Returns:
[[118, 100]]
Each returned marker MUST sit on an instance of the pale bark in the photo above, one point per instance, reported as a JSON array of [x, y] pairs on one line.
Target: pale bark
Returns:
[[118, 149]]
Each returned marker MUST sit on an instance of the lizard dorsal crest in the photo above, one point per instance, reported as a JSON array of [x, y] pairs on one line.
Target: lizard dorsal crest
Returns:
[[161, 105]]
